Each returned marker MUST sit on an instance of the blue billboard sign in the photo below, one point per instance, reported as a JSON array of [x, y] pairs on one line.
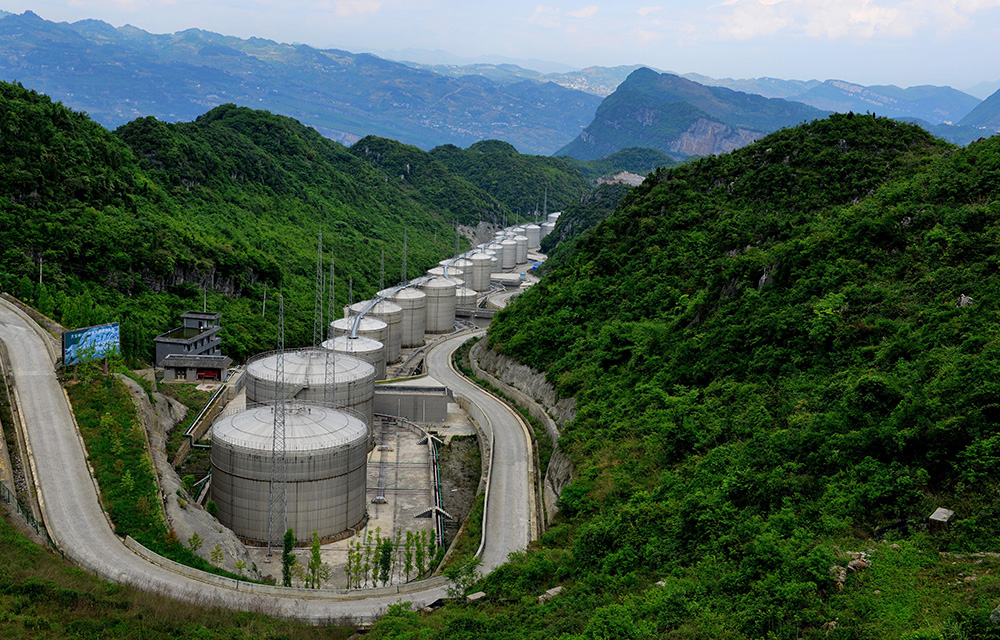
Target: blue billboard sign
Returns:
[[80, 345]]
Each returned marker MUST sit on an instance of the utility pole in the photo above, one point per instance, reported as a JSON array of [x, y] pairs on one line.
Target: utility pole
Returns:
[[318, 302]]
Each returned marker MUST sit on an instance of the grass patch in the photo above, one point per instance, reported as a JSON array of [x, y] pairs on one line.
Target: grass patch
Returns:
[[468, 543], [116, 448]]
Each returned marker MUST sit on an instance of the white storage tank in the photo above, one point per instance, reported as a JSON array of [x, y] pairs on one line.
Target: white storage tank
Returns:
[[326, 456], [465, 297], [414, 319], [547, 228], [440, 304], [367, 327], [392, 315], [554, 217], [364, 348], [508, 255], [521, 249], [305, 379], [534, 234], [479, 272]]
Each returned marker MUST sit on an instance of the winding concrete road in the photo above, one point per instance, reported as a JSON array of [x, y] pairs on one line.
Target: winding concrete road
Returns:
[[76, 522]]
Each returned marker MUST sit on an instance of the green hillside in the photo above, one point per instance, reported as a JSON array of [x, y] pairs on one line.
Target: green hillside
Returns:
[[517, 181], [771, 370], [138, 225]]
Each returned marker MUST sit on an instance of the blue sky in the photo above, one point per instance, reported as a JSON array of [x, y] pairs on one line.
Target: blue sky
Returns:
[[902, 42]]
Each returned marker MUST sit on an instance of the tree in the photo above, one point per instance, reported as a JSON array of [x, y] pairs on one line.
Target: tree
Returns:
[[408, 555], [217, 555], [319, 572], [287, 558], [420, 549], [195, 541], [385, 560], [462, 577]]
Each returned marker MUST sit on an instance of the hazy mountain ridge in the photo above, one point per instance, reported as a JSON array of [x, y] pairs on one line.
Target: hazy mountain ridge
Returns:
[[118, 74], [682, 118]]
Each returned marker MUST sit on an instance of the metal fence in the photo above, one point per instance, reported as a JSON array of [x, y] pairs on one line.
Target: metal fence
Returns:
[[9, 498]]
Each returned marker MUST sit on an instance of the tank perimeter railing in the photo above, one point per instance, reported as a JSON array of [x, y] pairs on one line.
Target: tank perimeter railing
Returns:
[[296, 406], [8, 497]]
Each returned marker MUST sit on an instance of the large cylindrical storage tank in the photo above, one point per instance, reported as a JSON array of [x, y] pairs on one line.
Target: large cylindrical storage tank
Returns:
[[521, 249], [305, 379], [465, 297], [440, 304], [326, 456], [508, 255], [392, 315], [479, 273], [554, 217], [547, 228], [534, 235], [367, 327], [365, 348], [517, 231], [414, 319]]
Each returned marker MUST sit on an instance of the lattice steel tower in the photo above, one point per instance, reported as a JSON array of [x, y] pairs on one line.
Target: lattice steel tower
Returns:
[[278, 520]]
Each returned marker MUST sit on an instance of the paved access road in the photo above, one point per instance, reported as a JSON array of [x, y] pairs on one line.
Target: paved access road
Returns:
[[509, 505], [75, 519]]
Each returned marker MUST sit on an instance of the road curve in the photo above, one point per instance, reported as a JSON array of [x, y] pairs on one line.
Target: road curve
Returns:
[[509, 505], [74, 518]]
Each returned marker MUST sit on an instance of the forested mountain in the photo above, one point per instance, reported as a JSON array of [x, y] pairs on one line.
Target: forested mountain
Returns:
[[985, 116], [933, 104], [119, 74], [681, 118], [139, 224], [783, 361], [517, 180]]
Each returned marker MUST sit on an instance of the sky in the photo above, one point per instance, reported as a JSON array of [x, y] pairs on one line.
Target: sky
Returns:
[[901, 42]]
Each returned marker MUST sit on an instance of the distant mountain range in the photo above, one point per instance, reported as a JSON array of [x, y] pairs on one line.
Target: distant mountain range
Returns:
[[682, 118], [119, 74]]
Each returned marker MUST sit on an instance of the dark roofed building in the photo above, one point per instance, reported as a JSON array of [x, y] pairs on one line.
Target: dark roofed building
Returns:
[[197, 336]]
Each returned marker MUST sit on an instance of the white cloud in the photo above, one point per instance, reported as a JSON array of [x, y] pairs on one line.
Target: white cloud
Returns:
[[546, 17], [836, 19], [585, 12], [347, 8], [645, 11]]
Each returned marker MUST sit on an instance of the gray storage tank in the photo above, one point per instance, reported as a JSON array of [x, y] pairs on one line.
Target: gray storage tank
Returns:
[[392, 315], [534, 234], [326, 455], [521, 249], [465, 297], [479, 273], [440, 304], [508, 255], [366, 349], [305, 379], [414, 319], [547, 228]]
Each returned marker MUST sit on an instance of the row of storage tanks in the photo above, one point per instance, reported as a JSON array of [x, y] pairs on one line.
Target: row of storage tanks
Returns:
[[326, 448]]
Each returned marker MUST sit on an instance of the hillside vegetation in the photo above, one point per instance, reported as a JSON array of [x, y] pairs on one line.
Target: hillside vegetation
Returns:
[[145, 223], [779, 356]]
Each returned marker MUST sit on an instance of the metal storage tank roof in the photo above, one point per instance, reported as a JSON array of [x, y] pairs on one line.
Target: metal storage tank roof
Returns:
[[452, 273], [392, 315], [365, 348], [368, 327], [305, 379], [307, 428]]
